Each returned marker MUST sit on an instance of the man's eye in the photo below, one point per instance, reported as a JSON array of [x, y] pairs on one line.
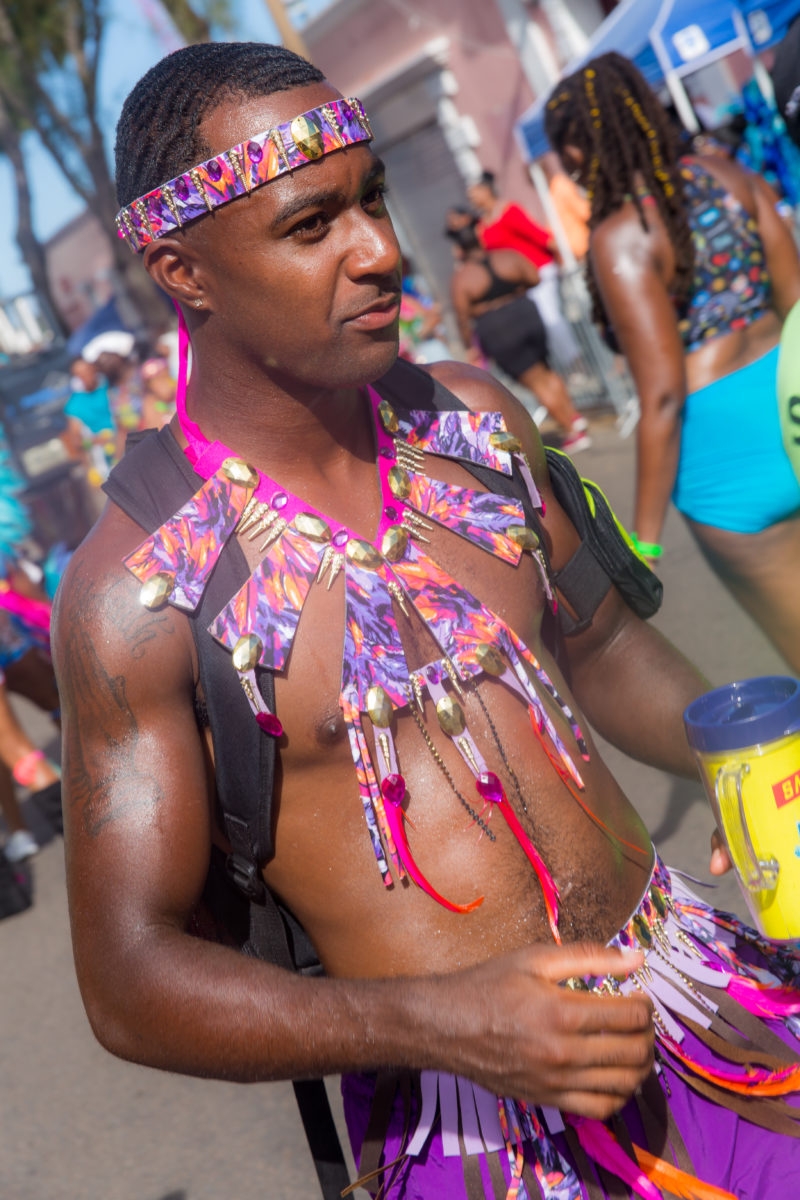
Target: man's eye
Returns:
[[375, 198], [315, 223]]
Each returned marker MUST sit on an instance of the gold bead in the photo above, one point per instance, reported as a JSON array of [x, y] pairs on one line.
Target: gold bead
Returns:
[[238, 471], [379, 707], [399, 483], [489, 659], [394, 543], [576, 984], [524, 537], [363, 554], [307, 137], [157, 590], [388, 417], [312, 527], [451, 716], [247, 652], [503, 440]]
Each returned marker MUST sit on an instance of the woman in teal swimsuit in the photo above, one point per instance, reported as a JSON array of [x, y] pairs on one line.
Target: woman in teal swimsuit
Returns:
[[694, 271]]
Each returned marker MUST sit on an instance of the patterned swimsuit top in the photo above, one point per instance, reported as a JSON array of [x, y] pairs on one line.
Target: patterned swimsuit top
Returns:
[[731, 287]]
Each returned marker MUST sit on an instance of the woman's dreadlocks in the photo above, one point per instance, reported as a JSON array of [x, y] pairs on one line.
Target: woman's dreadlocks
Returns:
[[608, 112]]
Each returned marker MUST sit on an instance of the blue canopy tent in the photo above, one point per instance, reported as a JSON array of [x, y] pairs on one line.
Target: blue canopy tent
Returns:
[[668, 39], [768, 20]]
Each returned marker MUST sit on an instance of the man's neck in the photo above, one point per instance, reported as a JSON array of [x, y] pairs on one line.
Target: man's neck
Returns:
[[306, 433]]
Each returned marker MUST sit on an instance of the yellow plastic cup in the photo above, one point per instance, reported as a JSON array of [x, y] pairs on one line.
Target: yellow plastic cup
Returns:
[[746, 739]]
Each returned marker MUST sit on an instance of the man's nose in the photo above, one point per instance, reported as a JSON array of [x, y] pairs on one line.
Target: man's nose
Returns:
[[374, 250]]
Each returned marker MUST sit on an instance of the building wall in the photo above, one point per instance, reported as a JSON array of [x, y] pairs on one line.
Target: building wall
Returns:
[[362, 44], [79, 264], [444, 82]]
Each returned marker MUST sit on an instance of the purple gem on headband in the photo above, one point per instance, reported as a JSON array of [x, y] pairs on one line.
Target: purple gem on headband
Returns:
[[181, 188], [214, 170], [279, 501], [254, 152], [340, 538]]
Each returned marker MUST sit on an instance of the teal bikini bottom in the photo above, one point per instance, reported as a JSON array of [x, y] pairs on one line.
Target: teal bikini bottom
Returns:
[[734, 472]]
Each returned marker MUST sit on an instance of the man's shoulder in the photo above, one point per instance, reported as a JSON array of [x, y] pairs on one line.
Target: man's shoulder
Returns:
[[98, 605]]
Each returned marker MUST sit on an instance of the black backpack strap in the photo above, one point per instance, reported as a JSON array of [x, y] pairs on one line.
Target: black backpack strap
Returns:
[[151, 483]]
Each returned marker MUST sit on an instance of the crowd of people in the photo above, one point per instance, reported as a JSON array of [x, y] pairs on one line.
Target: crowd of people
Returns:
[[341, 600]]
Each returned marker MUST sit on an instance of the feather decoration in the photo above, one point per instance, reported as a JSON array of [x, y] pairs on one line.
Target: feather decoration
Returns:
[[757, 1081], [676, 1182], [763, 999], [393, 788], [603, 1148]]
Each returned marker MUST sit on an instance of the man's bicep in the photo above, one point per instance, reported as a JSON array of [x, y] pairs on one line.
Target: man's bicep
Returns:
[[135, 788]]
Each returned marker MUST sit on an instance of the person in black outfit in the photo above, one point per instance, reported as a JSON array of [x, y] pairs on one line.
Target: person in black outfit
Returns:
[[489, 292]]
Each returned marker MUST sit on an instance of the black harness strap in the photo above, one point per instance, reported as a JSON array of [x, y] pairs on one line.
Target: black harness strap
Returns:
[[150, 484]]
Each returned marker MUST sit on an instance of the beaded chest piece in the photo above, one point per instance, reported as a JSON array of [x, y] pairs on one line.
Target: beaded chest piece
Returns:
[[384, 580]]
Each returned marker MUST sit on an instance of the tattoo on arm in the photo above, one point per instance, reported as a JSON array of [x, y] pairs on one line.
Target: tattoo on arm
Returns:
[[136, 624], [105, 782]]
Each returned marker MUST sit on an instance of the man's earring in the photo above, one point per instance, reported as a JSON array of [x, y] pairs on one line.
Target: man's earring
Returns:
[[198, 302]]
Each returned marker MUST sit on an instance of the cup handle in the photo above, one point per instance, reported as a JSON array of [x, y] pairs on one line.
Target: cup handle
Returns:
[[756, 874]]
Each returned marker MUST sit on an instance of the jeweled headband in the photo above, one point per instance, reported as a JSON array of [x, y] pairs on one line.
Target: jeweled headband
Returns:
[[200, 190]]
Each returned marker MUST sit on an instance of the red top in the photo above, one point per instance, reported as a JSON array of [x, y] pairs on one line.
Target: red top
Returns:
[[514, 230]]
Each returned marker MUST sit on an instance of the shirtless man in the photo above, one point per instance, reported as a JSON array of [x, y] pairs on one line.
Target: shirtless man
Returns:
[[291, 296]]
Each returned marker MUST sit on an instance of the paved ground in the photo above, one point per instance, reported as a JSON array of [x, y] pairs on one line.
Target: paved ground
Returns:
[[75, 1124]]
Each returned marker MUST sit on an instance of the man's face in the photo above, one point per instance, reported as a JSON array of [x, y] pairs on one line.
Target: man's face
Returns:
[[301, 278]]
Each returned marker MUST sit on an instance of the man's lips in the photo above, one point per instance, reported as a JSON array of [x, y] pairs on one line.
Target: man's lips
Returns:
[[377, 315]]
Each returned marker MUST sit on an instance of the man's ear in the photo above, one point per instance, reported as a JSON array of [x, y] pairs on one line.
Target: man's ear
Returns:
[[173, 265]]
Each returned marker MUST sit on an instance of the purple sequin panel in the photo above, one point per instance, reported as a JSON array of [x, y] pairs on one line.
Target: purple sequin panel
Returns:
[[455, 618], [270, 603], [188, 544], [373, 651], [457, 435], [480, 517]]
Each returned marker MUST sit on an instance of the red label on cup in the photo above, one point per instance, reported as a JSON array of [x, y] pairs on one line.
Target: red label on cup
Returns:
[[787, 790]]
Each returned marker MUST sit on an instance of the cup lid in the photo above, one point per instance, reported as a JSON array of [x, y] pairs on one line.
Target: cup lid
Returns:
[[745, 713]]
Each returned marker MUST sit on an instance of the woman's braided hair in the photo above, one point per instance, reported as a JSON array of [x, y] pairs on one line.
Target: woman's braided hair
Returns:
[[608, 112]]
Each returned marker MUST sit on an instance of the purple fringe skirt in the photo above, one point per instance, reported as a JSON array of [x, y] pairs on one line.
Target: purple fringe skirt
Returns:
[[722, 1106]]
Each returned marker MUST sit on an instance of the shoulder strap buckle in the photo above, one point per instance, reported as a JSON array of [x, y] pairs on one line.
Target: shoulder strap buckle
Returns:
[[247, 877]]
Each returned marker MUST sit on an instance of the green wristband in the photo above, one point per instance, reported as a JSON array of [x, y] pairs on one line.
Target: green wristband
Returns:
[[647, 549]]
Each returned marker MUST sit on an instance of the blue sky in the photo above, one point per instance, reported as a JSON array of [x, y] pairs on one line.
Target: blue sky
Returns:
[[131, 47]]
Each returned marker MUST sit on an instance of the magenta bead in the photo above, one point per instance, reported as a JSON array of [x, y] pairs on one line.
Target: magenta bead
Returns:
[[270, 724], [490, 787], [393, 789]]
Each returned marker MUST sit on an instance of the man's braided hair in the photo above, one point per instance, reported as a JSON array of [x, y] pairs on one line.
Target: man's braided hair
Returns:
[[608, 112], [158, 131]]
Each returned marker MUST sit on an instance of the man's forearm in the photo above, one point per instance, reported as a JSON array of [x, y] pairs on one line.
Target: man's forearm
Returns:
[[202, 1009], [183, 1004]]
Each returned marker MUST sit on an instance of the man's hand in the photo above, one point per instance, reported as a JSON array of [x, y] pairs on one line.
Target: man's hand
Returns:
[[721, 861], [578, 1051]]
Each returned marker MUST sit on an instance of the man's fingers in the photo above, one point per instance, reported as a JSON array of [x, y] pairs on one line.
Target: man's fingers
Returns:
[[597, 1105], [720, 856], [585, 958]]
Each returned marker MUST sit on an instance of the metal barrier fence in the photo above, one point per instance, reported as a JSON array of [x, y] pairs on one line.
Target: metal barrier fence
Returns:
[[595, 376]]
